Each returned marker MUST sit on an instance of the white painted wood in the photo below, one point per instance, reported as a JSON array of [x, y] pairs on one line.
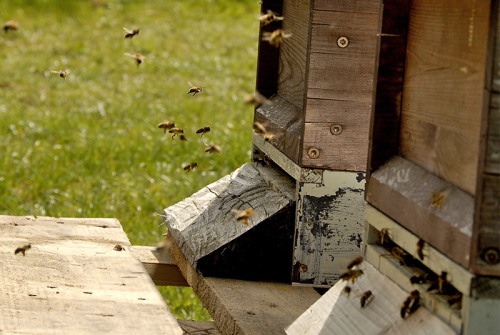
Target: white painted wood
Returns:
[[73, 281], [336, 313]]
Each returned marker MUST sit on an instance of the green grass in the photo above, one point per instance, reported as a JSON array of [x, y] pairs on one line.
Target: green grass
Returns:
[[88, 146]]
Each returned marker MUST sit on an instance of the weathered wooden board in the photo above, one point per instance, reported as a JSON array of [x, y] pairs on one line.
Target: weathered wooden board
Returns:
[[443, 89], [433, 209], [481, 308], [329, 227], [348, 5], [205, 228], [198, 327], [241, 307], [338, 313], [72, 281]]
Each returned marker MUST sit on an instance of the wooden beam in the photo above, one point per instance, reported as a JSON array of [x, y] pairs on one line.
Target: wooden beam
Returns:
[[160, 265], [243, 307]]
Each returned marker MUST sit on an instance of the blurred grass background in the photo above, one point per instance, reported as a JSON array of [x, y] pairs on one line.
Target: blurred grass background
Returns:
[[88, 146]]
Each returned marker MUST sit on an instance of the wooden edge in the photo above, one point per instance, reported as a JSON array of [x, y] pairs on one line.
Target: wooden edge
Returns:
[[242, 307], [160, 265], [433, 259], [191, 327]]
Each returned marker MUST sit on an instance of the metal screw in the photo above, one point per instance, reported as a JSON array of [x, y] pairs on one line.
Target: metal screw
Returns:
[[313, 152], [342, 42], [336, 129], [303, 268], [491, 256]]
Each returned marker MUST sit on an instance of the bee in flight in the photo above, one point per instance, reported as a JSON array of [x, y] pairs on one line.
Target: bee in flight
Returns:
[[203, 131], [269, 17], [176, 131], [276, 37], [257, 99], [22, 249], [411, 304], [166, 125], [351, 275], [366, 298], [62, 73], [193, 89], [190, 166], [244, 215], [213, 148], [182, 137], [129, 33], [354, 263], [139, 58], [10, 26], [347, 290]]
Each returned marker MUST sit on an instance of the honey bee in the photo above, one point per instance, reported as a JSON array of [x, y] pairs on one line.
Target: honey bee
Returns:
[[194, 89], [383, 237], [166, 125], [119, 247], [268, 137], [244, 215], [276, 37], [175, 131], [259, 128], [213, 148], [10, 26], [129, 33], [203, 131], [354, 263], [411, 304], [269, 17], [420, 249], [402, 256], [182, 137], [351, 275], [441, 285], [190, 166], [419, 279], [366, 298], [347, 290], [62, 73], [257, 100], [22, 249], [139, 58], [438, 199], [456, 300]]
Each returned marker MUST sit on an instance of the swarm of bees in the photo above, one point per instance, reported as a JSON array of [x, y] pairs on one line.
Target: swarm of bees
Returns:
[[22, 249], [10, 26]]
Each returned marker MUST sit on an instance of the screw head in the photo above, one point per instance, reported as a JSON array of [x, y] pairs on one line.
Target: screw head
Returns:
[[342, 42], [336, 129], [303, 268], [491, 256], [313, 152]]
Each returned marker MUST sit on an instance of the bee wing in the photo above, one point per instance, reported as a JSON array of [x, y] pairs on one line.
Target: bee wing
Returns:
[[128, 31]]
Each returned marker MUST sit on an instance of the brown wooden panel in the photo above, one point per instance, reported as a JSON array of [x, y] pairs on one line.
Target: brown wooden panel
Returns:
[[372, 6], [437, 211], [443, 88], [493, 137], [293, 52]]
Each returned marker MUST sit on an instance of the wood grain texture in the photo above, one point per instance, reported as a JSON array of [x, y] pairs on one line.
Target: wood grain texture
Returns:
[[198, 327], [407, 193], [72, 281], [294, 52], [243, 307], [337, 313], [443, 88], [160, 265], [348, 5]]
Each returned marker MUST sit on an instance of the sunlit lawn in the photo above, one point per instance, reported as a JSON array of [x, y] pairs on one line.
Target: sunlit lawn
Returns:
[[88, 146]]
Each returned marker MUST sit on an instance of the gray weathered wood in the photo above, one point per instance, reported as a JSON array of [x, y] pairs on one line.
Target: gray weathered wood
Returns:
[[198, 327], [73, 281], [338, 313]]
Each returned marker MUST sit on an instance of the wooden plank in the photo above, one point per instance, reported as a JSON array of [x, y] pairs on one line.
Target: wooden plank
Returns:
[[437, 211], [160, 265], [348, 5], [73, 281], [294, 52], [198, 327], [338, 313], [329, 224], [443, 89], [242, 307]]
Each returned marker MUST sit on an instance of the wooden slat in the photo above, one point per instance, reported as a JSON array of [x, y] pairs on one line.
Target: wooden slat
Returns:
[[338, 313], [437, 211], [242, 307], [160, 265], [72, 281], [443, 88], [348, 5]]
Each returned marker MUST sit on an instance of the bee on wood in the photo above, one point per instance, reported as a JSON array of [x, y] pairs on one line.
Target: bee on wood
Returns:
[[213, 148], [139, 58], [190, 166], [129, 33], [268, 137], [276, 37], [347, 290], [203, 131], [244, 215], [411, 304], [257, 100], [61, 73], [22, 249], [194, 89], [438, 199], [119, 247], [421, 278], [402, 256], [441, 285], [420, 249], [366, 298], [175, 131], [455, 300], [351, 275], [383, 237], [269, 18], [166, 125], [10, 26], [354, 263], [259, 128]]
